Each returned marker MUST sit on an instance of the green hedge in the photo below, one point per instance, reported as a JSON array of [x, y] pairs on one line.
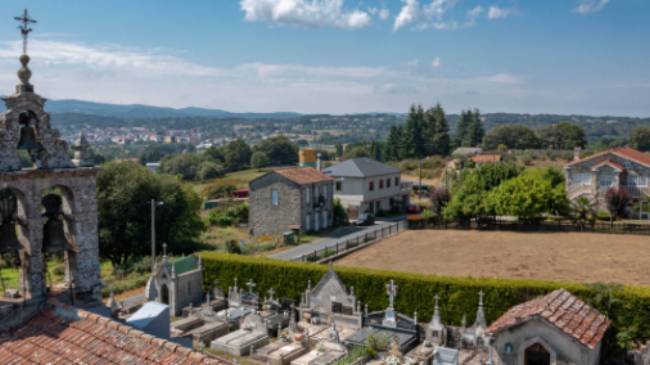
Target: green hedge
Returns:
[[627, 307]]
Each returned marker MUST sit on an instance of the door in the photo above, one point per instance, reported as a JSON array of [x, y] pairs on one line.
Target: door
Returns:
[[164, 294], [536, 354]]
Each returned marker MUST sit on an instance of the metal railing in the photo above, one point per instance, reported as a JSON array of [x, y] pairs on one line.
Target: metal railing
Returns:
[[353, 242]]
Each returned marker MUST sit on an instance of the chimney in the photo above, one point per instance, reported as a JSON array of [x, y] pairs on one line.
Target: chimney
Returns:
[[318, 163], [576, 154]]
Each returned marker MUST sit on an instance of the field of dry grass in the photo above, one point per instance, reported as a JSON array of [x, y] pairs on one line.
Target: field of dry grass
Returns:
[[575, 257]]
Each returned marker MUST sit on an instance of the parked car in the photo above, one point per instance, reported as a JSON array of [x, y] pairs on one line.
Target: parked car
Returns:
[[413, 209], [364, 219]]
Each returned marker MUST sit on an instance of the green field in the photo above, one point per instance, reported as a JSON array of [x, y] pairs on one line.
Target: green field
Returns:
[[238, 179]]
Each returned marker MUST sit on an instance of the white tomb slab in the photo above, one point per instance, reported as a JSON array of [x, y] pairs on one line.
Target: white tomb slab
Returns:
[[280, 352], [251, 335], [325, 353]]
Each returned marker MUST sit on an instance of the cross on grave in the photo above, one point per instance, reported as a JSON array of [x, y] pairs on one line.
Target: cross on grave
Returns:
[[164, 249], [481, 294], [251, 285], [391, 290], [25, 20], [436, 298], [271, 293]]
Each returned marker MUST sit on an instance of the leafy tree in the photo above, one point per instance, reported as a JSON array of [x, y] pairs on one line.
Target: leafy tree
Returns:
[[640, 138], [392, 148], [259, 159], [617, 201], [340, 214], [156, 152], [437, 130], [237, 155], [529, 196], [339, 150], [210, 170], [185, 165], [279, 150], [439, 199], [124, 192], [215, 154], [563, 136], [356, 150], [511, 136], [469, 195]]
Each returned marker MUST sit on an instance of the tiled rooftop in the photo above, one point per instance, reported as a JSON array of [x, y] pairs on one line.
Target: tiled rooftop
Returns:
[[66, 335], [562, 310], [304, 175]]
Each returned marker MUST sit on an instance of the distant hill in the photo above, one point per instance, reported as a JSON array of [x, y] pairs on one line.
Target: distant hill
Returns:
[[137, 111]]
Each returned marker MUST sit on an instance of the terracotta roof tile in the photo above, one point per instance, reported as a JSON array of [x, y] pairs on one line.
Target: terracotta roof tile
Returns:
[[624, 152], [304, 175], [562, 310], [486, 158], [52, 338]]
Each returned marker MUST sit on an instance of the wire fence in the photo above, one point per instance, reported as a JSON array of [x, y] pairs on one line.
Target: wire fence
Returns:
[[353, 242]]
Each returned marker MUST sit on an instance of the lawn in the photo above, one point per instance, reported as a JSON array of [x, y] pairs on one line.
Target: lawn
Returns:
[[238, 179], [574, 257]]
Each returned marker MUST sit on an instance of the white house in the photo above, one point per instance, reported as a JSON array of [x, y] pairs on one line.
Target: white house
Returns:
[[368, 186]]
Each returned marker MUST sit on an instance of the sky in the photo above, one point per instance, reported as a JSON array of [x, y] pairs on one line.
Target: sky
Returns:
[[339, 56]]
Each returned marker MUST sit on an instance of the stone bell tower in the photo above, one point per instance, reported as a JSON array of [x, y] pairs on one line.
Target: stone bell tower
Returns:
[[50, 207]]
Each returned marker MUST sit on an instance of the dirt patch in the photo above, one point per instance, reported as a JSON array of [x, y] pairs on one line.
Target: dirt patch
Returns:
[[575, 257]]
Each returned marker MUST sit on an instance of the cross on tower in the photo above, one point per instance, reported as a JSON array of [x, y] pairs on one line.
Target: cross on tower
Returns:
[[251, 285], [391, 290], [25, 20]]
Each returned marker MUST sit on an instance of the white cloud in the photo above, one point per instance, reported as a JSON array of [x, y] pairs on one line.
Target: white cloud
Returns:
[[412, 63], [409, 13], [503, 78], [436, 62], [590, 6], [311, 13], [433, 14], [382, 13], [495, 12]]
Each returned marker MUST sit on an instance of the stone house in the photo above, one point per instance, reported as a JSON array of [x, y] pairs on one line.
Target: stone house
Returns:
[[621, 167], [364, 185], [555, 329], [290, 198]]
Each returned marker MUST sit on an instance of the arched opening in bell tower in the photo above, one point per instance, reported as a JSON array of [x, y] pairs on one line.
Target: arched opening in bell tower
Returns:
[[13, 241]]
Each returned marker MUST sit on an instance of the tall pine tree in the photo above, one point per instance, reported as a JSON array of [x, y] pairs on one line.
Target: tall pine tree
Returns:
[[393, 146], [437, 131], [412, 136]]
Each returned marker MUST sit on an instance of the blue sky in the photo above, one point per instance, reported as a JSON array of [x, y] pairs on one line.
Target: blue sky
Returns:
[[340, 56]]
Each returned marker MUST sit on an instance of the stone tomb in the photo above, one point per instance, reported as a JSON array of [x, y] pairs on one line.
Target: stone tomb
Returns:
[[202, 324], [329, 303], [325, 352], [251, 335], [387, 324], [240, 304], [281, 352]]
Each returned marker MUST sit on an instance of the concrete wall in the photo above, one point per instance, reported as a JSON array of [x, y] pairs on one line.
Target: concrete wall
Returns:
[[563, 348]]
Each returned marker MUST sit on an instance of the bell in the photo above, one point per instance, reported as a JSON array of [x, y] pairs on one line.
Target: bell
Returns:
[[54, 240], [28, 139], [8, 238]]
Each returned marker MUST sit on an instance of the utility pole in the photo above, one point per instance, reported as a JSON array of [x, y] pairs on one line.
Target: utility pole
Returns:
[[153, 235], [420, 179]]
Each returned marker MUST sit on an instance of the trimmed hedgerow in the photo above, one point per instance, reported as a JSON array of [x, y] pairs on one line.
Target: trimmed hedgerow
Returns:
[[627, 307]]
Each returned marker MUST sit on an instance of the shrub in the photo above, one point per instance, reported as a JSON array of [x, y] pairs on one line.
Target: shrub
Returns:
[[233, 247], [630, 312], [229, 216], [210, 170], [217, 191]]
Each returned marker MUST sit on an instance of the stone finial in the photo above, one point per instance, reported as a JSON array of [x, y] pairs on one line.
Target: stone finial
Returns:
[[480, 324], [24, 74], [82, 154], [113, 304]]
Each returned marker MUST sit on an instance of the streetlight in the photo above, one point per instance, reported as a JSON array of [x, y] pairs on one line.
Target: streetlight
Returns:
[[154, 204]]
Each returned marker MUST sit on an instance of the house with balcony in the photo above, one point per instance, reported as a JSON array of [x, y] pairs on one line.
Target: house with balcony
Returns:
[[621, 167], [364, 185], [290, 198]]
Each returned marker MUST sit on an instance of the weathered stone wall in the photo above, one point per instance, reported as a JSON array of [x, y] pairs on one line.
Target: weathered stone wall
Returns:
[[268, 219], [80, 204], [189, 289]]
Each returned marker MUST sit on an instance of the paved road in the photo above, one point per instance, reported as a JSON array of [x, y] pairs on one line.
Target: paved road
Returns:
[[339, 235]]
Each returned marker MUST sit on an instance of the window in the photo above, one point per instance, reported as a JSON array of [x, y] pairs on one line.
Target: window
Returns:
[[397, 181], [338, 186], [275, 198], [636, 180], [307, 223], [582, 178], [308, 194], [605, 180], [371, 186], [388, 183], [381, 184]]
